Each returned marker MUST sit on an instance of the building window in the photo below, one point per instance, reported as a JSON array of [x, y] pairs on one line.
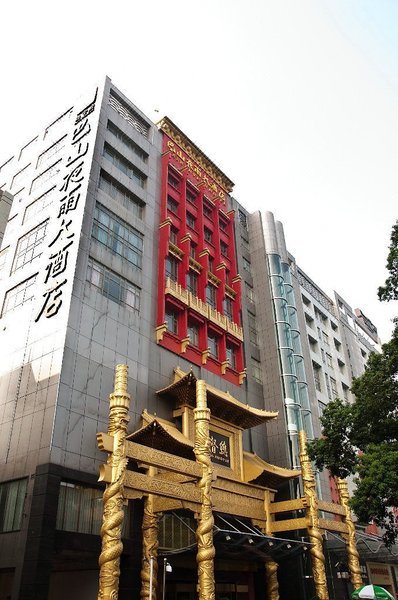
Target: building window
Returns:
[[208, 235], [124, 165], [345, 391], [172, 320], [38, 205], [207, 210], [173, 235], [328, 386], [79, 508], [242, 219], [27, 149], [212, 343], [173, 180], [172, 205], [3, 257], [325, 338], [192, 250], [116, 235], [58, 123], [48, 174], [113, 286], [19, 178], [317, 376], [253, 335], [329, 360], [191, 195], [228, 304], [191, 220], [29, 246], [256, 370], [192, 282], [129, 114], [333, 385], [12, 499], [19, 295], [247, 265], [171, 268], [223, 225], [211, 295], [118, 192], [193, 333], [127, 142], [245, 244], [250, 293], [231, 356], [224, 249], [51, 152], [211, 264]]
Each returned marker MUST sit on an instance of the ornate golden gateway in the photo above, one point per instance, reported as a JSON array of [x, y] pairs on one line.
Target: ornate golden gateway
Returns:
[[173, 479]]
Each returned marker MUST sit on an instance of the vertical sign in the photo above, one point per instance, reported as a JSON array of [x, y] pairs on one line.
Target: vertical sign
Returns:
[[66, 222]]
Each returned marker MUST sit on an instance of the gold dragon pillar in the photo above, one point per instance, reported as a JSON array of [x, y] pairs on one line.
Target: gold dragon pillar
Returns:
[[204, 531], [314, 532], [150, 544], [271, 570], [113, 514], [352, 552]]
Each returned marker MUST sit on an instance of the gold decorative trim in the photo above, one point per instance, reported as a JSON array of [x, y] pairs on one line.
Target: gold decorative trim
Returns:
[[113, 499], [204, 252], [184, 344], [205, 356], [160, 329], [195, 153], [224, 366], [150, 544], [195, 265], [314, 531], [211, 277], [187, 237], [352, 552], [167, 221], [237, 278], [230, 292], [175, 250], [271, 570], [221, 266], [204, 532]]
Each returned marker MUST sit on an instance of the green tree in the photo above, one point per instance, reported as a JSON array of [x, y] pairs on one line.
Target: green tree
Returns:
[[390, 290], [362, 438]]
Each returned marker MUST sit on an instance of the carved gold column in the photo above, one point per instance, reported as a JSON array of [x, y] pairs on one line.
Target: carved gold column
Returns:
[[113, 499], [352, 552], [314, 532], [271, 570], [204, 532], [150, 543]]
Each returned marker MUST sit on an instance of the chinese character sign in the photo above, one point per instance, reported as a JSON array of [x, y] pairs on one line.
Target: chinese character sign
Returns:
[[220, 449], [67, 220]]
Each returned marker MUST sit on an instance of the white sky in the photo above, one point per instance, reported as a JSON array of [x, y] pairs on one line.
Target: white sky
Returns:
[[296, 100]]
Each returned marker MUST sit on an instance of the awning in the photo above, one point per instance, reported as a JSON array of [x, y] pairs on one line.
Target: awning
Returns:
[[234, 537], [370, 547]]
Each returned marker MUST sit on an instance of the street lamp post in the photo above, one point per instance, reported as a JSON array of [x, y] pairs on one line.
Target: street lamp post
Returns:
[[167, 568]]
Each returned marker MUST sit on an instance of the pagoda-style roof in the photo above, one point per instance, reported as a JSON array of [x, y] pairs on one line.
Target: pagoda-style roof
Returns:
[[162, 435], [259, 472], [222, 404]]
